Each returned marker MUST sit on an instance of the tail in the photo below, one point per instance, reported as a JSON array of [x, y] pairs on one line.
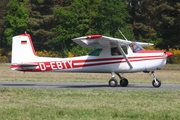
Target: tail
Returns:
[[22, 49]]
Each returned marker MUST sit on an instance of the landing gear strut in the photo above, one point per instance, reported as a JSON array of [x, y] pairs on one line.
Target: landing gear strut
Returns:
[[156, 83], [123, 81], [113, 82]]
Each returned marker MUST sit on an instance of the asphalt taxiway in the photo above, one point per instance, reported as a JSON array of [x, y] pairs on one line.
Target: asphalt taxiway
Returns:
[[84, 85]]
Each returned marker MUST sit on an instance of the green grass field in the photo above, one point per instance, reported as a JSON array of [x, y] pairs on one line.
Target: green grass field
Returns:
[[33, 104], [70, 104]]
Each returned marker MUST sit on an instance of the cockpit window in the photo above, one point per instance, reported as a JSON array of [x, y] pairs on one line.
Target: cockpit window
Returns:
[[95, 52], [136, 47], [115, 51]]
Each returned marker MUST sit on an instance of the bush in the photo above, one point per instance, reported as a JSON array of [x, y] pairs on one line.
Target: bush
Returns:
[[4, 56], [175, 59], [3, 59], [70, 54], [45, 53]]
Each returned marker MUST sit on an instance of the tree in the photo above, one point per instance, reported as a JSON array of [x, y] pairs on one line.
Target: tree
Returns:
[[156, 21], [42, 21], [3, 12], [74, 20], [168, 24], [143, 19], [15, 20], [111, 16], [88, 17]]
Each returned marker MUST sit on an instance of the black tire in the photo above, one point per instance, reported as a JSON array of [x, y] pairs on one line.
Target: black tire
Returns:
[[156, 85], [124, 82], [113, 82]]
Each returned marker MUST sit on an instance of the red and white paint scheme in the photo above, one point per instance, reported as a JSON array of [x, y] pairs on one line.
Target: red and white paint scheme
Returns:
[[100, 60]]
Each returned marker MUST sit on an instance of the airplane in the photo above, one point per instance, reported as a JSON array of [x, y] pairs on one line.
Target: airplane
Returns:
[[131, 57]]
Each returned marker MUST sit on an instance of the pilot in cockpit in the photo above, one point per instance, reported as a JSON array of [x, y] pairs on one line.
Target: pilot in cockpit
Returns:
[[115, 51], [135, 47]]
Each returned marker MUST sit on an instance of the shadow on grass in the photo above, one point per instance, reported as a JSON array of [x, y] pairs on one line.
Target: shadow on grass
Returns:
[[81, 85]]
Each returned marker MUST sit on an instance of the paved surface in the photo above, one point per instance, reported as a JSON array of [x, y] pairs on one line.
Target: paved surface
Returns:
[[83, 85]]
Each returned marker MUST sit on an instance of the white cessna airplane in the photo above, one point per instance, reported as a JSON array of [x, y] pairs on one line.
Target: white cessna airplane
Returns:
[[111, 55]]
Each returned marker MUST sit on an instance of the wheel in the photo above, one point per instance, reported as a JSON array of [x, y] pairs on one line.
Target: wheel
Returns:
[[156, 84], [123, 82], [113, 82]]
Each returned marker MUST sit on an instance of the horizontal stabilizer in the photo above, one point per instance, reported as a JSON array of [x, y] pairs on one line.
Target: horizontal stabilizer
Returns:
[[23, 67], [28, 65]]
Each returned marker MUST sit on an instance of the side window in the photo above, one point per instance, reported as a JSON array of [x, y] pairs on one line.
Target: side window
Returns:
[[115, 50], [95, 52], [125, 49]]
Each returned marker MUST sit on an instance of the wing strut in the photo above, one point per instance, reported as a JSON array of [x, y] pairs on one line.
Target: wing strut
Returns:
[[123, 35], [124, 55]]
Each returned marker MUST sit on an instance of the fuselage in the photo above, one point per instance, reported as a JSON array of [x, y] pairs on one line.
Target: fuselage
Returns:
[[145, 60]]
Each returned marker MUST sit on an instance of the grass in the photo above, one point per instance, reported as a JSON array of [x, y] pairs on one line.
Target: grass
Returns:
[[70, 104], [33, 104]]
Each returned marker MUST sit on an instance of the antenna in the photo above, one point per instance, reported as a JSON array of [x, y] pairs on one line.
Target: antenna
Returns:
[[122, 34]]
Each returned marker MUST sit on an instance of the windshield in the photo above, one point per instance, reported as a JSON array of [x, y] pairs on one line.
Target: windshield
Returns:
[[136, 47]]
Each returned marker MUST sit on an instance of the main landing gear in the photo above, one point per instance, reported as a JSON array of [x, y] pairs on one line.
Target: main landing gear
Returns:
[[113, 82]]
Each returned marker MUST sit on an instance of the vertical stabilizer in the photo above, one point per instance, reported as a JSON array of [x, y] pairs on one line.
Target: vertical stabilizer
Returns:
[[22, 49]]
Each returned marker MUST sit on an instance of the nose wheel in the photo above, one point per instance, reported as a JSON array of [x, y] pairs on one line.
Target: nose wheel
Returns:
[[156, 83]]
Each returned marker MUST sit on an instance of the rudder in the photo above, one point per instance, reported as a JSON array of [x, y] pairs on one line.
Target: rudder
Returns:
[[22, 49]]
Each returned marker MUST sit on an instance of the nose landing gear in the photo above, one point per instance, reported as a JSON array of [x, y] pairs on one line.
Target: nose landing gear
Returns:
[[156, 83]]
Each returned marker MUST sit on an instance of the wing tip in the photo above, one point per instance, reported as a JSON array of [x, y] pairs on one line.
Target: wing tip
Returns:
[[94, 36]]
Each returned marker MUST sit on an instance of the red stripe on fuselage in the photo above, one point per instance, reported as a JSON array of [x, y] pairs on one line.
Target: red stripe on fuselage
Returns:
[[115, 58], [121, 60]]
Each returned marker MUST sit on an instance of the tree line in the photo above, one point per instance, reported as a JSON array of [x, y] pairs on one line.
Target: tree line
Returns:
[[53, 23]]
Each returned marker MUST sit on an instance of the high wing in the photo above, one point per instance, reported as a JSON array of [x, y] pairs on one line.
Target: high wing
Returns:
[[99, 41]]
